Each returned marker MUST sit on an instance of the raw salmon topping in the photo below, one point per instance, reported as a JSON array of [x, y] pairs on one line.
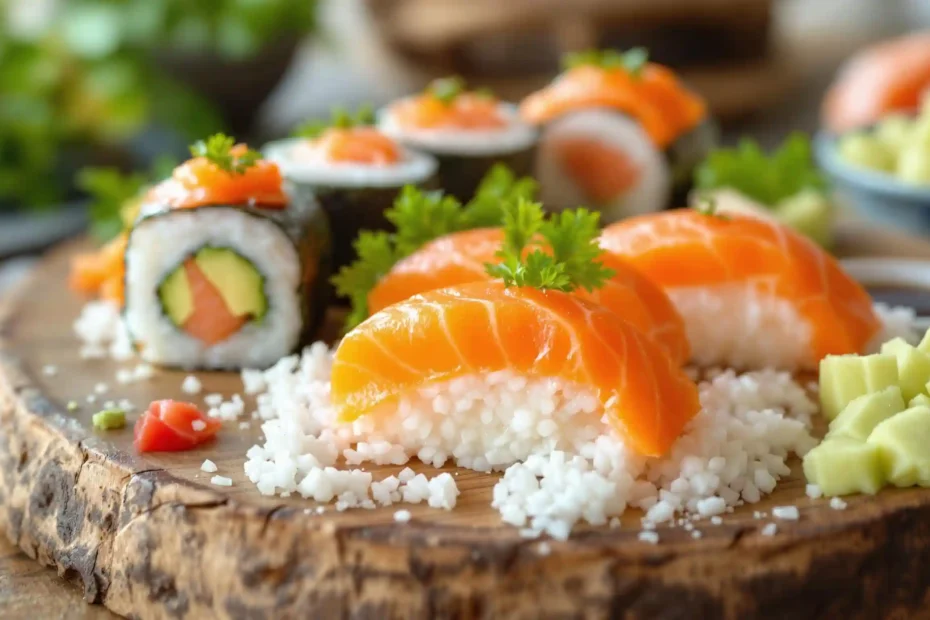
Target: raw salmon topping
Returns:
[[235, 176], [357, 145], [484, 327], [446, 104], [653, 96], [172, 426], [211, 320], [685, 248]]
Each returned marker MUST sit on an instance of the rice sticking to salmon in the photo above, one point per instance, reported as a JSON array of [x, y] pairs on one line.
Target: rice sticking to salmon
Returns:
[[753, 293], [460, 258]]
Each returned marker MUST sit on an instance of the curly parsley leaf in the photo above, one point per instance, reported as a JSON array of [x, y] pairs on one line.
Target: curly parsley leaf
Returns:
[[421, 216], [109, 191], [633, 61], [377, 253], [767, 179], [219, 150], [570, 238], [498, 187]]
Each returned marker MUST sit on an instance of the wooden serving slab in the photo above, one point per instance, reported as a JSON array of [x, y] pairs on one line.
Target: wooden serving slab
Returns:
[[150, 537]]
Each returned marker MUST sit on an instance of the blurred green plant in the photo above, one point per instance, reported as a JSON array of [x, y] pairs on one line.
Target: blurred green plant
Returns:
[[85, 81]]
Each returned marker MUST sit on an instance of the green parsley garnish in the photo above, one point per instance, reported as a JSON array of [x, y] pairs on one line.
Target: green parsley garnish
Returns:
[[767, 179], [110, 191], [571, 238], [218, 150], [632, 61], [419, 217], [447, 89], [109, 419], [706, 204], [340, 118]]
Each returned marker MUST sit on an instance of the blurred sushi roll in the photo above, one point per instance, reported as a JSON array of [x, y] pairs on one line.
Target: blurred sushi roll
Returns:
[[467, 131], [353, 170], [620, 134], [224, 268]]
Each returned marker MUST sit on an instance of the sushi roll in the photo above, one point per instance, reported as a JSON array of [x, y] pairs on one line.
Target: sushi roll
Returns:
[[223, 268], [753, 292], [621, 134], [460, 258], [467, 131], [354, 171]]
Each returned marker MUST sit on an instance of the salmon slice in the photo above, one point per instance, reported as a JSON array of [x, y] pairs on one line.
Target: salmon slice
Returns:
[[483, 327], [603, 172], [655, 98], [459, 258], [465, 111], [684, 248], [888, 77], [211, 320], [359, 145], [199, 182]]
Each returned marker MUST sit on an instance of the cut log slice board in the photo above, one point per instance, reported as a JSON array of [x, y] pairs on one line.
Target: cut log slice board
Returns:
[[150, 537]]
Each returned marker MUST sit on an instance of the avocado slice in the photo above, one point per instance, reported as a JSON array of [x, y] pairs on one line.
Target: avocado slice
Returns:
[[810, 213], [237, 280], [175, 295]]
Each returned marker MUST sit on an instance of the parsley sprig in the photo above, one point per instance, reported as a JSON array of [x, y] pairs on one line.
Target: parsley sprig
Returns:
[[767, 179], [419, 217], [218, 150], [340, 118], [448, 89], [570, 238], [632, 61]]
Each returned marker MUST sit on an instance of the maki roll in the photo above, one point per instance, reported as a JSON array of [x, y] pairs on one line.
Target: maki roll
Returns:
[[223, 268], [621, 134], [467, 131], [353, 170]]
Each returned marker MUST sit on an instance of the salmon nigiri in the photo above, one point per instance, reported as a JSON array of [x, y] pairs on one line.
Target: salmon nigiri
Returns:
[[753, 292], [484, 328], [460, 258]]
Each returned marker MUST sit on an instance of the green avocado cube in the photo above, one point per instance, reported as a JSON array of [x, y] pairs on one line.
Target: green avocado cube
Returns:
[[845, 377], [863, 414], [903, 441], [913, 367], [841, 466], [921, 400]]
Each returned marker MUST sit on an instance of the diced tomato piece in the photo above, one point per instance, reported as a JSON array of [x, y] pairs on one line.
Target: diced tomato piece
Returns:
[[168, 426]]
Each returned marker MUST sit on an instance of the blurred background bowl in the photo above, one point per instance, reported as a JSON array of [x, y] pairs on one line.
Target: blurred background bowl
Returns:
[[874, 195]]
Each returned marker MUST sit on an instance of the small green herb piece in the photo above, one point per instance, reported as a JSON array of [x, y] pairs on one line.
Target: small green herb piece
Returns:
[[340, 118], [571, 237], [498, 187], [767, 179], [72, 405], [706, 204], [109, 419], [633, 61], [377, 253], [447, 89], [218, 150], [109, 190], [422, 216]]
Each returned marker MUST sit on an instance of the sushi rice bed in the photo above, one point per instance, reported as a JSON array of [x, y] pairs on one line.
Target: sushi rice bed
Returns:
[[161, 242], [737, 325]]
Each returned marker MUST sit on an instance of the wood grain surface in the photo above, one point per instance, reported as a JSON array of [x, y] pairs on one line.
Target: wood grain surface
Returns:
[[151, 538]]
